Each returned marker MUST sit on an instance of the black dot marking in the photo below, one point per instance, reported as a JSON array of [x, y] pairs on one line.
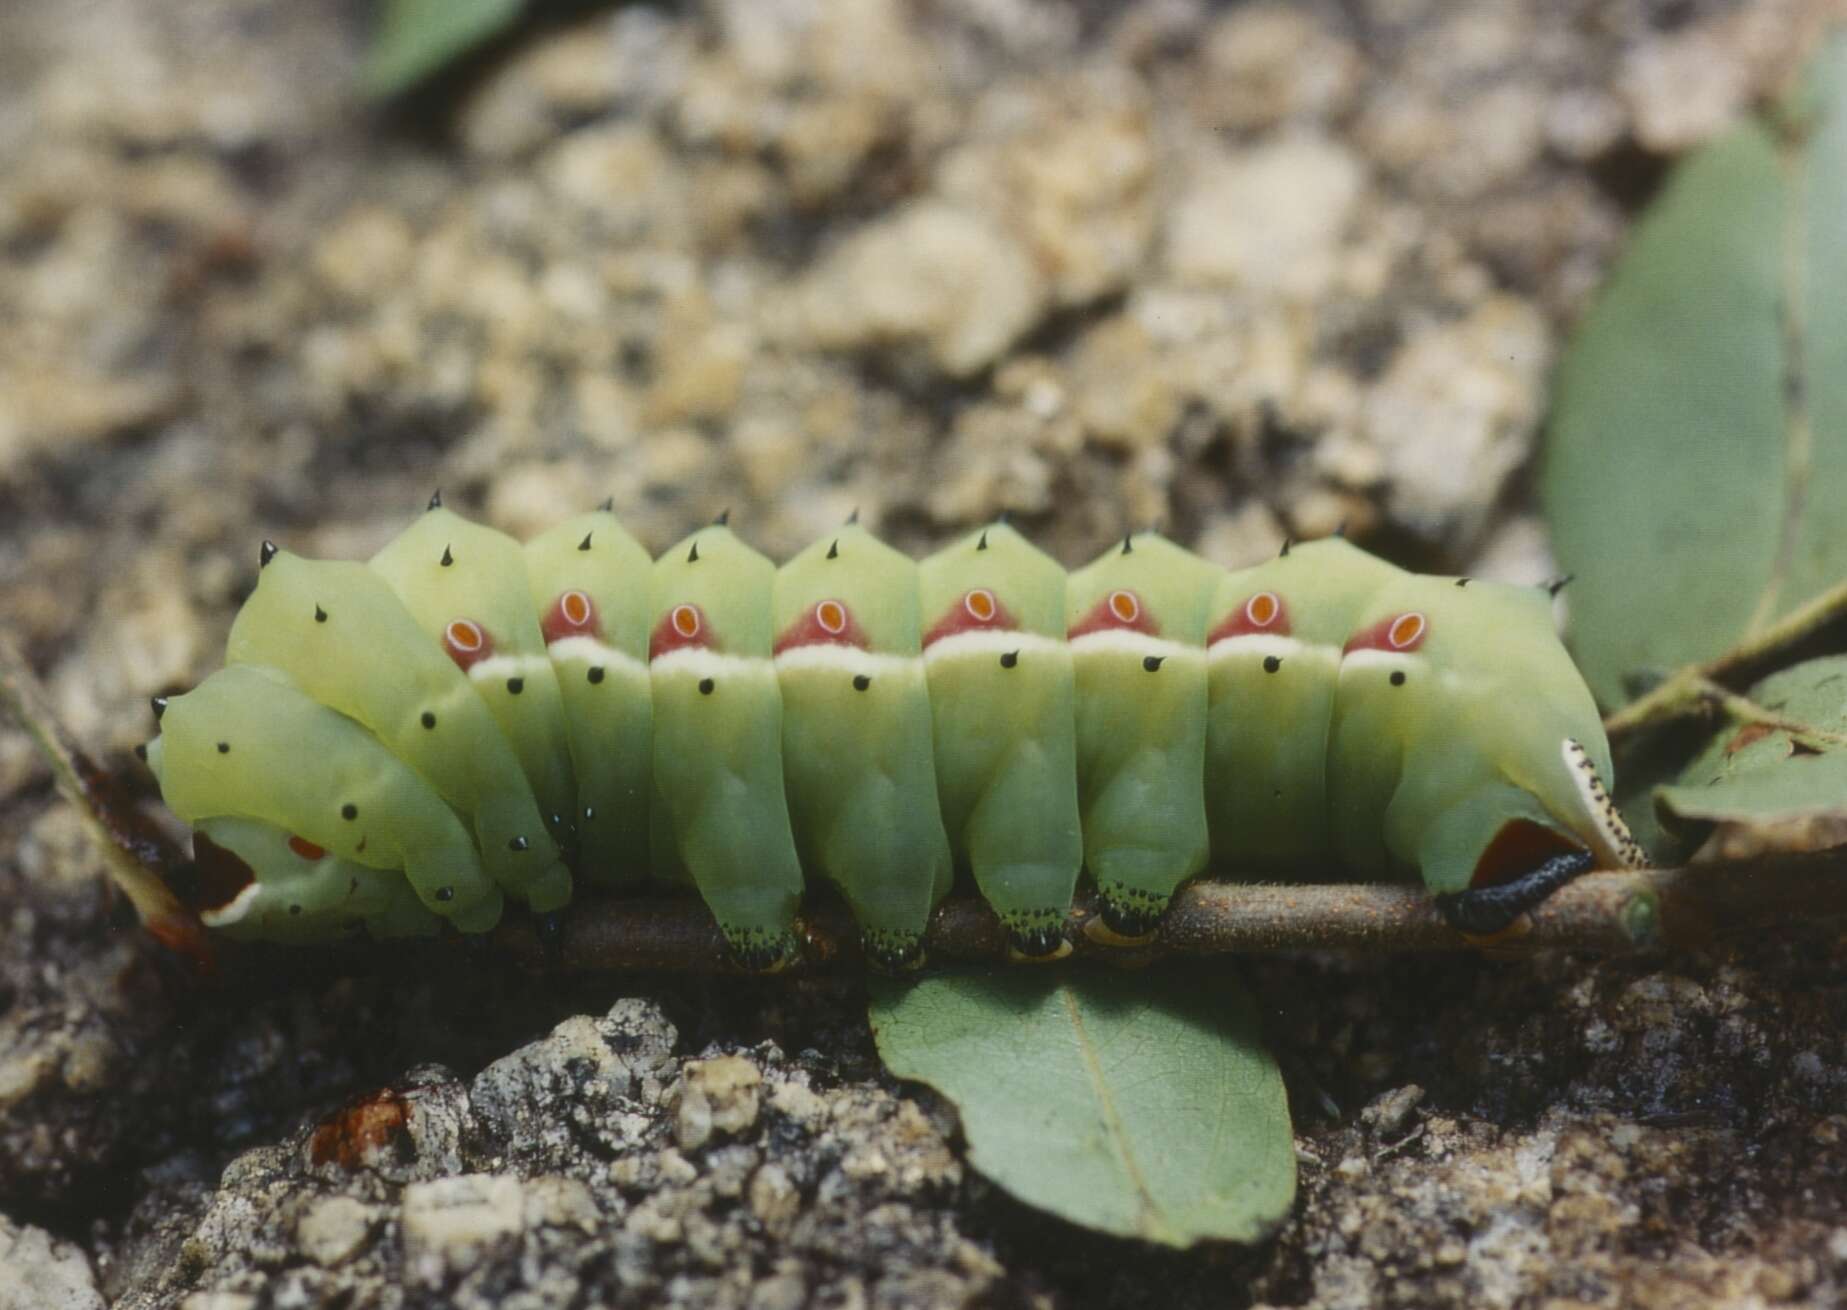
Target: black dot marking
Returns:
[[294, 909], [1010, 659], [320, 615], [1271, 664], [224, 748], [1284, 552], [861, 682], [1127, 546], [141, 751], [609, 503], [349, 811], [1397, 677], [429, 720], [724, 518], [983, 543], [447, 558], [265, 553], [707, 686], [518, 844], [585, 543], [833, 550], [595, 674], [515, 686], [1152, 662], [1463, 582], [445, 894], [692, 556]]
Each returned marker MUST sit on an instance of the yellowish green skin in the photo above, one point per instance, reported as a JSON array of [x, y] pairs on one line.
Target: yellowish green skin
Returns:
[[856, 743], [1267, 726], [1141, 731], [720, 817], [342, 636], [604, 681], [1004, 727], [306, 901], [298, 766], [485, 580], [1426, 770]]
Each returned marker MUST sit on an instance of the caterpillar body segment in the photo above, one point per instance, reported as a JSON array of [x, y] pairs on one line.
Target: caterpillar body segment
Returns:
[[1274, 637], [590, 581], [721, 819], [246, 743], [342, 636], [856, 737], [306, 894], [366, 759], [1003, 687], [1136, 621]]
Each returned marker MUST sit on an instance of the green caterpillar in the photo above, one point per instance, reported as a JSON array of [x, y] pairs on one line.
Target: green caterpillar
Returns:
[[414, 741]]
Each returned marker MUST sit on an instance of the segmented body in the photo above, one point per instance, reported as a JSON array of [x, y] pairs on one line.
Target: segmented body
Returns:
[[463, 721]]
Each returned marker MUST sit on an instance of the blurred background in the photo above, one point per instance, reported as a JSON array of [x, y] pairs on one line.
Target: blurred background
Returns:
[[1238, 270]]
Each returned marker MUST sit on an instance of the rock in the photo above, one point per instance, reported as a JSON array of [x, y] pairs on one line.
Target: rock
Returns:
[[718, 1097], [1269, 221], [933, 275], [452, 1224], [333, 1229], [1453, 414], [40, 1273]]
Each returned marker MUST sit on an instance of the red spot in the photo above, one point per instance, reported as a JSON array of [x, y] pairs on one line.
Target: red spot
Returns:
[[307, 849], [573, 614], [682, 627], [360, 1132], [1264, 612], [466, 642], [825, 623], [979, 610], [1400, 634], [1120, 611], [1518, 848]]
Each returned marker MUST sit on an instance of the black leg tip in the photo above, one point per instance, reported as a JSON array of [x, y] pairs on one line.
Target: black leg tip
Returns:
[[1485, 911]]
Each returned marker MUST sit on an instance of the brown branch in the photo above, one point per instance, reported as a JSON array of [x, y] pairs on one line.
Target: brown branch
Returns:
[[1600, 913]]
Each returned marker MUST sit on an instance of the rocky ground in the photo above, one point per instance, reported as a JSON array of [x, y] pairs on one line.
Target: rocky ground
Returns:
[[1240, 270]]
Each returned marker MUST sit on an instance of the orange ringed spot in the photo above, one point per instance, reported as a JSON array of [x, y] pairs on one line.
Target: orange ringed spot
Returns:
[[980, 605], [1262, 609], [465, 635], [832, 616], [306, 849], [1406, 630], [575, 606], [686, 620], [1125, 606]]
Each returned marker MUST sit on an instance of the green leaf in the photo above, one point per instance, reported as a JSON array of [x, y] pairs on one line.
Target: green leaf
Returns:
[[417, 38], [1697, 462], [1143, 1105], [1765, 776]]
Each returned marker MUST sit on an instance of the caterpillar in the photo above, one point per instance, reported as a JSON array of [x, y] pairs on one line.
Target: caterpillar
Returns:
[[411, 742]]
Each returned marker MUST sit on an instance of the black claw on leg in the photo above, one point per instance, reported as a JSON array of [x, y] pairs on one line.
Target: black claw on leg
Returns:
[[1484, 911]]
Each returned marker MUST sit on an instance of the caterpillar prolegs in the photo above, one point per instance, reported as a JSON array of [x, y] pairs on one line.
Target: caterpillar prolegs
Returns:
[[411, 741]]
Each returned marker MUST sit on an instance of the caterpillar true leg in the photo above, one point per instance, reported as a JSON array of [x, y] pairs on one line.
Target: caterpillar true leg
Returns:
[[1484, 911]]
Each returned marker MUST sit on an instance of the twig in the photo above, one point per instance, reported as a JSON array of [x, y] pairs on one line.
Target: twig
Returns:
[[133, 848], [1600, 913], [1687, 692]]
